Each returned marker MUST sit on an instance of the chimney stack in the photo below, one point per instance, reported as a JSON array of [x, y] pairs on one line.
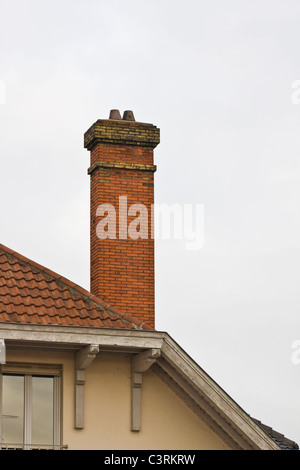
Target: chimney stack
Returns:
[[122, 195]]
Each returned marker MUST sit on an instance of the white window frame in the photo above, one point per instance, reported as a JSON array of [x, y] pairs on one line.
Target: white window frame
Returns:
[[28, 371]]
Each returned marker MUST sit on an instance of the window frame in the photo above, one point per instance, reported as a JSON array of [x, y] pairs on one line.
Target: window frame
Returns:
[[28, 371]]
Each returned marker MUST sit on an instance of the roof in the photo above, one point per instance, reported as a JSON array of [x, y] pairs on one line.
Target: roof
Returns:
[[31, 293], [283, 442]]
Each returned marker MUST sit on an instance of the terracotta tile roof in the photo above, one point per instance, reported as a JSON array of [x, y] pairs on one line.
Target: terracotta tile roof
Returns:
[[31, 293]]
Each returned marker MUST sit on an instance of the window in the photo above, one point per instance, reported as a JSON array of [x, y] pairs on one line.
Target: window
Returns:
[[30, 406]]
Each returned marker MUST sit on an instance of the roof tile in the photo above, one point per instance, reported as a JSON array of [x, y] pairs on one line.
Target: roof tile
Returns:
[[31, 293], [283, 442]]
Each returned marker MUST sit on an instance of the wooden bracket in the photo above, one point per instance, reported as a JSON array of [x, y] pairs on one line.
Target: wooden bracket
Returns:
[[140, 363], [83, 359]]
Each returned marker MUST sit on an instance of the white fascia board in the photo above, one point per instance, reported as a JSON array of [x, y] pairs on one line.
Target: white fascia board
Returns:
[[81, 336]]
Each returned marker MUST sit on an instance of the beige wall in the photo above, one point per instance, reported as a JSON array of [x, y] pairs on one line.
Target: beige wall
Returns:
[[167, 423]]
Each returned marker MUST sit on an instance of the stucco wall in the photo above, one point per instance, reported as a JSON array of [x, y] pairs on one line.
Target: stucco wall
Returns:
[[167, 423]]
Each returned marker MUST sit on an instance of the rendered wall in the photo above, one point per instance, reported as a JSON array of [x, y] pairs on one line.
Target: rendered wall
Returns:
[[167, 423]]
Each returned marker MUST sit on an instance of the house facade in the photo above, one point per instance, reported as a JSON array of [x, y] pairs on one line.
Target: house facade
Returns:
[[84, 370]]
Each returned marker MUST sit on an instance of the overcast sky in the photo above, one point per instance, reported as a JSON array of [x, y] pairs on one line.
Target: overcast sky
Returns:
[[216, 77]]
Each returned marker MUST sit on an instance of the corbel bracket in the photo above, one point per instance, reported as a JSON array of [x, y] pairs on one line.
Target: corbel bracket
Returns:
[[2, 352], [140, 363], [83, 359]]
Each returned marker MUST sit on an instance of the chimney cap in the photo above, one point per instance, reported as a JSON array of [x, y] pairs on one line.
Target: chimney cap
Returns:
[[115, 114], [128, 116]]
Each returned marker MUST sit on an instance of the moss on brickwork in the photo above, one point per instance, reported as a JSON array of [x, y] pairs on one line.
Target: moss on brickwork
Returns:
[[121, 132]]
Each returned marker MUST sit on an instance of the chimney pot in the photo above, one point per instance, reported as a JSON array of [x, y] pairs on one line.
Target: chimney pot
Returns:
[[115, 114], [128, 116]]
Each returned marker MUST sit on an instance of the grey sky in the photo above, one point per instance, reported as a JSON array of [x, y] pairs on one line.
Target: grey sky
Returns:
[[216, 77]]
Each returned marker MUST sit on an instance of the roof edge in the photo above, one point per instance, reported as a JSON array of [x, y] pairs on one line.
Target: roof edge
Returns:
[[225, 416]]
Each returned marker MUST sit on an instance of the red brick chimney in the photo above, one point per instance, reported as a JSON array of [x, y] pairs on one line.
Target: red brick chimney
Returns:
[[122, 245]]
